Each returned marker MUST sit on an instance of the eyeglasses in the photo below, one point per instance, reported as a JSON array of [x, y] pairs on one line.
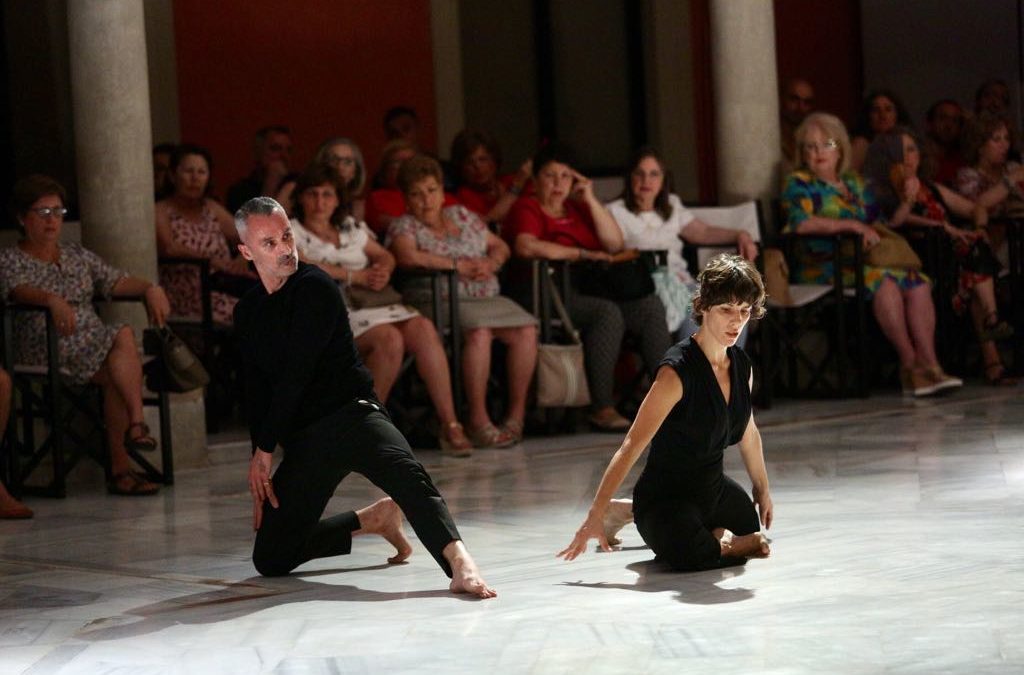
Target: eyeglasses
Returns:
[[829, 144], [47, 211], [344, 161]]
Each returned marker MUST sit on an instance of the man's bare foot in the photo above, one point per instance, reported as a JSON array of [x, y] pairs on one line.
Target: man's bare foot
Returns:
[[618, 514], [465, 575], [749, 546], [383, 517]]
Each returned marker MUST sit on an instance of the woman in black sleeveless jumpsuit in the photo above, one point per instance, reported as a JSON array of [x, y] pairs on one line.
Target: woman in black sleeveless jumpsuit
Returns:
[[686, 509]]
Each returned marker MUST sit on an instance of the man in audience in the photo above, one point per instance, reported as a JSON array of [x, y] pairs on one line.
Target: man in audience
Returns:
[[272, 149], [992, 95], [162, 169], [944, 123], [796, 102], [402, 122]]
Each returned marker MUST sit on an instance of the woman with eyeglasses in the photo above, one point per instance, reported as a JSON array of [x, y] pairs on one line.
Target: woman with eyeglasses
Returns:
[[327, 235], [64, 278], [345, 157], [652, 217], [823, 196], [190, 224]]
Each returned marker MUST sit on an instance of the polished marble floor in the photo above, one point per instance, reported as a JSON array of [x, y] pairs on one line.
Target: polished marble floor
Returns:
[[898, 547]]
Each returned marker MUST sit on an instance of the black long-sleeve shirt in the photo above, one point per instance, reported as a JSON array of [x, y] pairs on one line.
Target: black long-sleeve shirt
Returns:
[[299, 356]]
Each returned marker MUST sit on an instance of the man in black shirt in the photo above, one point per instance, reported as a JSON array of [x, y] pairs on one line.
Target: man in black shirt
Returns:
[[308, 392]]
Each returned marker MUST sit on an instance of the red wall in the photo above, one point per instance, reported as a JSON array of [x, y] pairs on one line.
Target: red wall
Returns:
[[821, 42], [322, 67]]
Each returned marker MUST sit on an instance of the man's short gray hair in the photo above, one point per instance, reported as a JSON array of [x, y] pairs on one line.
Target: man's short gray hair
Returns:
[[257, 206]]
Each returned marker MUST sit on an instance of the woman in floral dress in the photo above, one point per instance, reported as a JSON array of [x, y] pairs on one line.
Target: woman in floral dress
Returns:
[[64, 278], [431, 236], [191, 225]]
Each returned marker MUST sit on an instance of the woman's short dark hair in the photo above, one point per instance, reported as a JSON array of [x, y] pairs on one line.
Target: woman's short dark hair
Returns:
[[661, 202], [315, 175], [467, 141], [862, 126], [982, 127], [554, 151], [729, 278], [184, 150], [30, 189], [416, 169]]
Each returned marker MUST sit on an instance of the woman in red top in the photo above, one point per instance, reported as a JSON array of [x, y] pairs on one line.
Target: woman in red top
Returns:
[[476, 157], [565, 221]]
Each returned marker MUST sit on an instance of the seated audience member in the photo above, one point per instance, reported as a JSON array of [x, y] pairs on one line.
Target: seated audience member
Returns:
[[991, 179], [825, 197], [402, 122], [10, 508], [893, 169], [653, 218], [344, 156], [795, 103], [162, 170], [992, 96], [326, 234], [64, 278], [944, 123], [881, 111], [386, 201], [272, 148], [435, 236], [192, 225], [476, 157], [565, 221]]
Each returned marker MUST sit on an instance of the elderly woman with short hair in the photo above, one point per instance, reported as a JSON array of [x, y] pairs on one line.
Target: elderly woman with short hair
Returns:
[[432, 236], [823, 196], [63, 278]]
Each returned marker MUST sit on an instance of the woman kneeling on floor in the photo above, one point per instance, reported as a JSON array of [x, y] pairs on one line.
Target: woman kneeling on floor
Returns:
[[687, 510]]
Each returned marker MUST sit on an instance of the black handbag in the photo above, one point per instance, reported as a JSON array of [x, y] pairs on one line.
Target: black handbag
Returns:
[[176, 368], [628, 279]]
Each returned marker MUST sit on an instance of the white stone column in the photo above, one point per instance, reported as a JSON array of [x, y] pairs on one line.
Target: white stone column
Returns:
[[110, 106], [746, 99], [446, 46]]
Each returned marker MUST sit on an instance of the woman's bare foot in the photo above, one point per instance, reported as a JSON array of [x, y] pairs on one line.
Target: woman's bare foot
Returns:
[[383, 517], [749, 546], [465, 575], [618, 514]]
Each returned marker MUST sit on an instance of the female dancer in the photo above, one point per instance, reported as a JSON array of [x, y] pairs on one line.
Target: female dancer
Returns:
[[687, 510]]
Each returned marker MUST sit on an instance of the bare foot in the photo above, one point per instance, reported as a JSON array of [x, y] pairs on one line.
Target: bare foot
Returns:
[[465, 575], [618, 514], [383, 517], [749, 546]]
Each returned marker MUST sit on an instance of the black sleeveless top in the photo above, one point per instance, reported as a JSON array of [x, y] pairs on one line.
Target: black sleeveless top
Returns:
[[687, 450]]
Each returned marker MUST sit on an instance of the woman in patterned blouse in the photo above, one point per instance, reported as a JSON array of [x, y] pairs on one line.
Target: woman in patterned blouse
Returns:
[[824, 197], [41, 270], [431, 236]]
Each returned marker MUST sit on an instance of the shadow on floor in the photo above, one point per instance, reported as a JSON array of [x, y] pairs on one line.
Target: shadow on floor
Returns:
[[691, 588]]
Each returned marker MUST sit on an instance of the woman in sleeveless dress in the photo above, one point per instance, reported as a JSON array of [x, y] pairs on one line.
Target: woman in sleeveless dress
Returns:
[[191, 225], [687, 510]]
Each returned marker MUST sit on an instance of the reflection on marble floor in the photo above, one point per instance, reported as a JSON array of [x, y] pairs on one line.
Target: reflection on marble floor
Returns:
[[898, 547]]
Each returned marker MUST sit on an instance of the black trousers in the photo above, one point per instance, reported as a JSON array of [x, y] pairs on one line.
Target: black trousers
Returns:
[[678, 529], [359, 438]]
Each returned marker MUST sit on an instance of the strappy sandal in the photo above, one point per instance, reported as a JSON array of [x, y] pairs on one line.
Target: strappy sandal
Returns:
[[453, 441], [141, 443], [513, 428], [995, 330], [131, 484], [996, 376], [490, 436]]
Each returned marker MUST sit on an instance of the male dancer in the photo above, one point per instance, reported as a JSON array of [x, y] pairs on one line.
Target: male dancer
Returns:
[[308, 392]]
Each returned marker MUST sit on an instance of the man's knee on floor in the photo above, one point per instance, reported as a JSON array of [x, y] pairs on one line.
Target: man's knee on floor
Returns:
[[269, 564]]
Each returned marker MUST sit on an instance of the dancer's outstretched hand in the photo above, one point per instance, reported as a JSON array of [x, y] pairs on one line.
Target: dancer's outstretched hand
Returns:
[[260, 485], [592, 528]]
